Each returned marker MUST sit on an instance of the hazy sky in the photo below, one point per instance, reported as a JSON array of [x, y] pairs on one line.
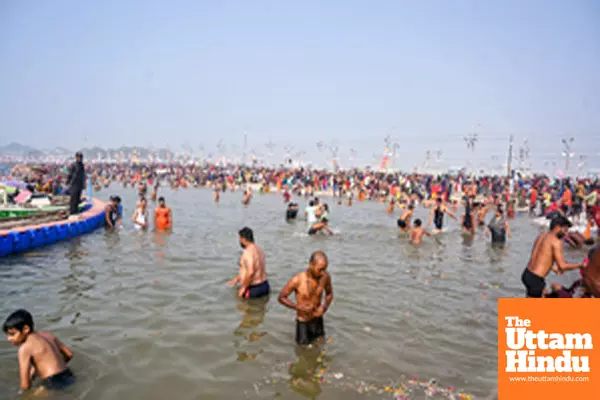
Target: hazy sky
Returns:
[[124, 72]]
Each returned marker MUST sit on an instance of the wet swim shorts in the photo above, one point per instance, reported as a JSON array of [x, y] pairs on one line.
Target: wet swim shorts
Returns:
[[312, 231], [257, 291], [308, 332], [534, 284], [401, 223], [60, 381]]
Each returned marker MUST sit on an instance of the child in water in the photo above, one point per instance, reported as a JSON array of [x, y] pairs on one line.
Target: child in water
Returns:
[[417, 232], [40, 353]]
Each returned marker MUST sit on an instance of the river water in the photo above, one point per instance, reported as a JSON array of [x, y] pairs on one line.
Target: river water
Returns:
[[148, 315]]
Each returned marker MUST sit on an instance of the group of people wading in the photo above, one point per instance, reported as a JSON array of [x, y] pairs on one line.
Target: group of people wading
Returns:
[[309, 287], [43, 354], [163, 217]]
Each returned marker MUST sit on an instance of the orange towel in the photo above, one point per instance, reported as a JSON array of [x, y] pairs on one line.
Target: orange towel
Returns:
[[588, 231]]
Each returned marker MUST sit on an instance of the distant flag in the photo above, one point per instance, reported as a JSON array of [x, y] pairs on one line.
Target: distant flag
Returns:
[[384, 162]]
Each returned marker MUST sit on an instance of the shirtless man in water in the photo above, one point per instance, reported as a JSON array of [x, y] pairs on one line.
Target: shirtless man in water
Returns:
[[247, 197], [309, 287], [217, 194], [253, 276], [547, 254], [417, 232], [404, 220]]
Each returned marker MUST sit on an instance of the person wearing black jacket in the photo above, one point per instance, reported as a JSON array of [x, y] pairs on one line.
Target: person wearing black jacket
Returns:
[[76, 181]]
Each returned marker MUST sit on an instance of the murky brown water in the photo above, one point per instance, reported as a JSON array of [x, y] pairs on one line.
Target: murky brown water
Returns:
[[149, 316]]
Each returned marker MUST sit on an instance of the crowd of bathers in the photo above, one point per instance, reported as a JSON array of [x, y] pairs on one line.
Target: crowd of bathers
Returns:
[[557, 199]]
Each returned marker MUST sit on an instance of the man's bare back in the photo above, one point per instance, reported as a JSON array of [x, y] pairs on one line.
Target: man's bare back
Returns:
[[253, 263], [45, 353], [416, 235]]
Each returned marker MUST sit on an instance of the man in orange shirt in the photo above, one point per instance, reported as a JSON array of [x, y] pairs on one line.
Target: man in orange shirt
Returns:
[[163, 219], [567, 200], [532, 200]]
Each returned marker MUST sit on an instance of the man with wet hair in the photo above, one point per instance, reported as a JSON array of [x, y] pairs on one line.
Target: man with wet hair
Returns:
[[309, 287], [252, 277], [546, 255]]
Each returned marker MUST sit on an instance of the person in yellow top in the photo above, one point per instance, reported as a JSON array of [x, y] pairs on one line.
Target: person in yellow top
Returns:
[[163, 219]]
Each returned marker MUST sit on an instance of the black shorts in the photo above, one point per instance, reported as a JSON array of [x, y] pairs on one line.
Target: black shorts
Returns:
[[401, 223], [534, 284], [60, 381], [308, 332], [312, 231], [257, 291]]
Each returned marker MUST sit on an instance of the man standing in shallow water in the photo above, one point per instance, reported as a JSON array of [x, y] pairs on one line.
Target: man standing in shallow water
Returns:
[[253, 276], [309, 287]]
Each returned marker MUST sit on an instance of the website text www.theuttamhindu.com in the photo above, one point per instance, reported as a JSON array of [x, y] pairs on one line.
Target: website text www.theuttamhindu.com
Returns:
[[581, 379]]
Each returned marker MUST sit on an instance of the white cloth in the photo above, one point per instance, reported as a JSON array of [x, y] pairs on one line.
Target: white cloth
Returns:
[[311, 217], [140, 218]]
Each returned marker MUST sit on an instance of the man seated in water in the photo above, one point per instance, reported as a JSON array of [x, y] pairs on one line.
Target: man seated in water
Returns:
[[309, 287], [40, 353], [252, 277], [417, 232], [322, 224]]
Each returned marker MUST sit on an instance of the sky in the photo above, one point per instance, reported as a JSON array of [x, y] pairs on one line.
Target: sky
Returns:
[[347, 73]]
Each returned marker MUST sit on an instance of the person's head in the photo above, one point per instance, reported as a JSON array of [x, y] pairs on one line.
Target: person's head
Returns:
[[78, 156], [499, 211], [411, 207], [317, 264], [311, 203], [316, 201], [439, 200], [161, 201], [113, 201], [560, 226], [143, 202], [246, 237], [18, 326], [326, 207], [418, 223]]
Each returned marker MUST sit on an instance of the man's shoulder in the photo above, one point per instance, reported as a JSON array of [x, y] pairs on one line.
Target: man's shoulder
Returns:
[[298, 276], [46, 335]]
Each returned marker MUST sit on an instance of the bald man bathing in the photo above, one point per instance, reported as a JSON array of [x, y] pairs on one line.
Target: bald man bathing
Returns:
[[309, 287]]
